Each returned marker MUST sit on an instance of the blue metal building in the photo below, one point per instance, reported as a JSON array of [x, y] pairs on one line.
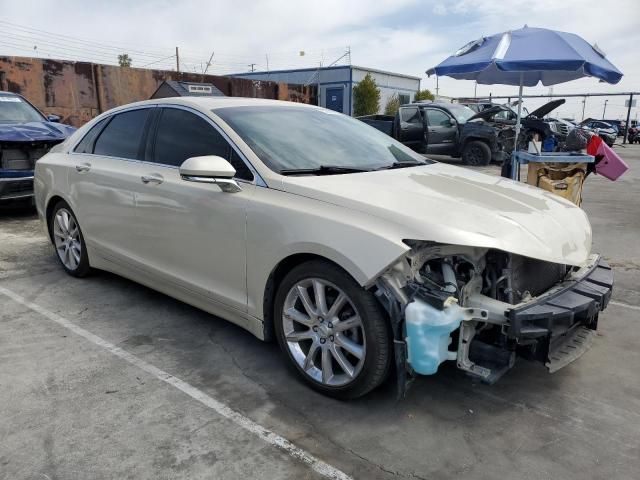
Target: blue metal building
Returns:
[[335, 84]]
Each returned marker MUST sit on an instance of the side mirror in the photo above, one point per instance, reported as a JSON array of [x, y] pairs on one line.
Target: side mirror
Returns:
[[53, 118], [210, 169], [452, 122]]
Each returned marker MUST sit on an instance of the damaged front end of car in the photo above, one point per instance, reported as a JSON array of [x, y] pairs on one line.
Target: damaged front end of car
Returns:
[[483, 307]]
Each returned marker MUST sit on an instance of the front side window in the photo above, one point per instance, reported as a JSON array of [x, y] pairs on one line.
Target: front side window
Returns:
[[123, 135], [299, 137], [437, 118], [181, 135]]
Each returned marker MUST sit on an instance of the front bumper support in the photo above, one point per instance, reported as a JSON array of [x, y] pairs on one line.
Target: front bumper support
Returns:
[[577, 302], [560, 326]]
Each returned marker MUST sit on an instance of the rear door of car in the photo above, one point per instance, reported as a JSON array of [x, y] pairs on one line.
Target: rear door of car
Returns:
[[411, 128], [192, 234], [442, 132], [102, 178]]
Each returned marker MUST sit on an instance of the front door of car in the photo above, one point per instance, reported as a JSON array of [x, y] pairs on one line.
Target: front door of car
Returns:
[[102, 180], [411, 126], [442, 132], [192, 234]]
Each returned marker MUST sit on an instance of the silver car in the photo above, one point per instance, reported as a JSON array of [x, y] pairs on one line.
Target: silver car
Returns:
[[304, 225]]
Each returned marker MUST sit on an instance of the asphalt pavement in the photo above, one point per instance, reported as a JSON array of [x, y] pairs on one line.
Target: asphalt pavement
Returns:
[[102, 378]]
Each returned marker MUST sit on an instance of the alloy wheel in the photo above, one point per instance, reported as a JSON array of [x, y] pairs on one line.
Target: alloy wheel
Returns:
[[324, 332], [66, 236]]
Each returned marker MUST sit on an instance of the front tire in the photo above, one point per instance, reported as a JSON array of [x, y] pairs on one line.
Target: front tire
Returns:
[[331, 330], [476, 154], [68, 240]]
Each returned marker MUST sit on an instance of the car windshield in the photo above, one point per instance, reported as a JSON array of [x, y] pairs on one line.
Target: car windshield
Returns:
[[462, 113], [289, 138], [16, 110]]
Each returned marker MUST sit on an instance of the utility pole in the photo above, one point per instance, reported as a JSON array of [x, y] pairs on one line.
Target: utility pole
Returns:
[[605, 108], [252, 66], [584, 103], [475, 90], [266, 56], [208, 63], [318, 84], [624, 138], [177, 61]]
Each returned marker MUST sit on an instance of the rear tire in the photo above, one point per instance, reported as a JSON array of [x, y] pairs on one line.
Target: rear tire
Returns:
[[333, 332], [476, 153], [68, 241]]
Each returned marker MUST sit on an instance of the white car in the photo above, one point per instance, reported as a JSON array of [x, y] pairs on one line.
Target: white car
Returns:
[[303, 224]]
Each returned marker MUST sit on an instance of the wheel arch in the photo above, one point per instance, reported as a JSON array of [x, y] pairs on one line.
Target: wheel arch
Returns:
[[275, 279], [51, 203]]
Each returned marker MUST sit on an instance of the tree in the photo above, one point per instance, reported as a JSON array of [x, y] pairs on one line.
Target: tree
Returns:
[[424, 95], [392, 106], [124, 60], [366, 97]]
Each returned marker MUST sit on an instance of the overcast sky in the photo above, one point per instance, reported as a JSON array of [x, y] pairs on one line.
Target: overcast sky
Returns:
[[405, 36]]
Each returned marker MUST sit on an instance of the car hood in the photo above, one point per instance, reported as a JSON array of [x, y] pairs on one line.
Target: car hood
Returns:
[[34, 131], [540, 112], [452, 205]]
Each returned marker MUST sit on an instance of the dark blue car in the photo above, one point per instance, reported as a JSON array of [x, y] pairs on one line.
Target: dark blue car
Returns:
[[25, 136]]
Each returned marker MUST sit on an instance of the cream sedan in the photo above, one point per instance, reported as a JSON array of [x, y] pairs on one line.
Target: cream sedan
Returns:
[[304, 225]]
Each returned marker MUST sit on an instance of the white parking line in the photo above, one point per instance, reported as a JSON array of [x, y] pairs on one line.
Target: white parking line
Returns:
[[268, 436], [625, 305]]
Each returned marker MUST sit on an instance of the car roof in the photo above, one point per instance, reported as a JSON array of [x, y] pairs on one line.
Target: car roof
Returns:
[[211, 103], [430, 104]]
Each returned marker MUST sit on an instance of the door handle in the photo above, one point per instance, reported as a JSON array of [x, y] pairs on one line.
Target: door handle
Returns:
[[83, 167], [152, 178]]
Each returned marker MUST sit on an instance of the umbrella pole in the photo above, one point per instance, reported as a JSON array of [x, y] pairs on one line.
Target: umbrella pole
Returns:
[[515, 163], [519, 118]]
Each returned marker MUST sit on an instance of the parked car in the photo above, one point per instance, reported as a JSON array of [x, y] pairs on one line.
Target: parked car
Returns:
[[603, 129], [619, 125], [357, 254], [426, 127], [634, 134], [25, 136], [490, 134]]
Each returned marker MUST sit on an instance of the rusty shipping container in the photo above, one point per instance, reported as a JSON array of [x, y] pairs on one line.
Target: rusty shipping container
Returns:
[[78, 91]]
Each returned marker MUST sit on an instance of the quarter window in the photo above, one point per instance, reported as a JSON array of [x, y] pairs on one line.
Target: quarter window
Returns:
[[122, 136], [181, 135], [86, 144], [437, 118]]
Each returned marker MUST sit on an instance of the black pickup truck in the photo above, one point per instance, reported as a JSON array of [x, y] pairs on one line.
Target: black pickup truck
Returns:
[[438, 128]]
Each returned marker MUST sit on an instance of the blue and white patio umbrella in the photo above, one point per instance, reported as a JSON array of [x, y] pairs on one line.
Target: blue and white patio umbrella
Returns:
[[526, 57]]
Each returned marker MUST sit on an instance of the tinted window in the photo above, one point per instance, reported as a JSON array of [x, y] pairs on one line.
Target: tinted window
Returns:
[[181, 135], [122, 136], [437, 118], [86, 144], [410, 115]]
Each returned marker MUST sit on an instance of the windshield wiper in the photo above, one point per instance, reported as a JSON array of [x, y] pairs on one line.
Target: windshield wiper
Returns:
[[322, 170], [403, 164]]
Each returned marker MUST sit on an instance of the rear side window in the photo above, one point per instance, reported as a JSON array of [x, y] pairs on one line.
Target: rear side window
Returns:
[[122, 136], [86, 144], [181, 135], [410, 115]]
